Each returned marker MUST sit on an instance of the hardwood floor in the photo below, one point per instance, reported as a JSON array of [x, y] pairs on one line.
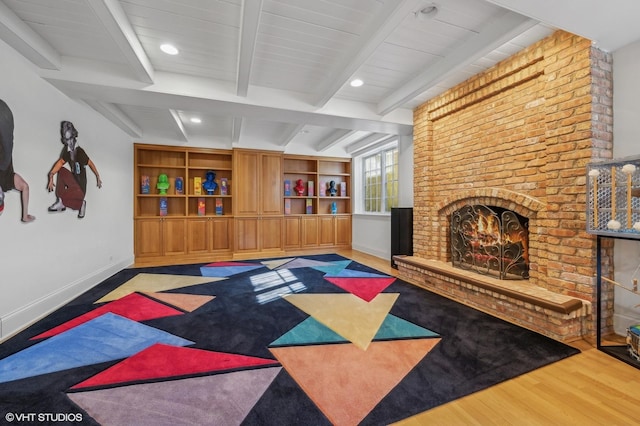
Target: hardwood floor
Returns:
[[591, 388]]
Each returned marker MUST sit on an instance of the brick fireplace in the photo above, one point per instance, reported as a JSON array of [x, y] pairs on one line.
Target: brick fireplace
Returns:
[[517, 137]]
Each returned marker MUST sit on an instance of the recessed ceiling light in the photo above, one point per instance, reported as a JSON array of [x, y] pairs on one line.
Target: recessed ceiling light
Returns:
[[356, 83], [196, 120], [169, 49], [427, 12]]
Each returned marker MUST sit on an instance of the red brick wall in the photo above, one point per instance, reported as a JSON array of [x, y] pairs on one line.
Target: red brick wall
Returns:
[[519, 136]]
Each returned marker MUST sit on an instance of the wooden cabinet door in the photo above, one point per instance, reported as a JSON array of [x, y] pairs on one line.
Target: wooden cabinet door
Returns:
[[343, 230], [258, 183], [271, 184], [174, 236], [198, 231], [246, 183], [327, 231], [310, 235], [292, 232], [271, 234], [221, 234], [148, 237], [246, 234]]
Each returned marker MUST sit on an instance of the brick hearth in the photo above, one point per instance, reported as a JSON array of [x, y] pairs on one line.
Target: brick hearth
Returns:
[[518, 136], [555, 315]]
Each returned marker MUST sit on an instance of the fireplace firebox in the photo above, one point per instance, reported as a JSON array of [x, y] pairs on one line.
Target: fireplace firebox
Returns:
[[491, 241]]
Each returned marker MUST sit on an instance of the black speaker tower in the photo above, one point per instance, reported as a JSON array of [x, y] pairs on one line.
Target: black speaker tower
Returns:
[[401, 232]]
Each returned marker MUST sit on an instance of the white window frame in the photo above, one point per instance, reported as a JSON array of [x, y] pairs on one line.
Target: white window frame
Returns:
[[360, 166]]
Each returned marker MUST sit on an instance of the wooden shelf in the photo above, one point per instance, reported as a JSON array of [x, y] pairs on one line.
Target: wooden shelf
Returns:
[[257, 218]]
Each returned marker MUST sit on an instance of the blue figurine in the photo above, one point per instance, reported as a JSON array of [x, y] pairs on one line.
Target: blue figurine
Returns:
[[210, 184], [332, 188]]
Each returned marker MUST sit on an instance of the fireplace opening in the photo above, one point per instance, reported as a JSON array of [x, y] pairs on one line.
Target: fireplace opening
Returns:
[[490, 240]]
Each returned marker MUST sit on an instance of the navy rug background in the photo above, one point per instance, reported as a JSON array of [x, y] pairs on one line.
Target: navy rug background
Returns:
[[476, 350]]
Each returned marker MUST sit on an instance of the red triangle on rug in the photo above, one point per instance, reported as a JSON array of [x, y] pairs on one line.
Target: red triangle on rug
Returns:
[[162, 361], [133, 306], [363, 287]]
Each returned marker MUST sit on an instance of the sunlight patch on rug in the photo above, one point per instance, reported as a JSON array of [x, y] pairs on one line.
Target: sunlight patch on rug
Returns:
[[345, 382], [346, 314], [106, 338], [146, 283], [275, 284], [221, 399]]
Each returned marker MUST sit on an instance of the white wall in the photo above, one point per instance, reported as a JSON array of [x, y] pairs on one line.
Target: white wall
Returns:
[[626, 142], [46, 263]]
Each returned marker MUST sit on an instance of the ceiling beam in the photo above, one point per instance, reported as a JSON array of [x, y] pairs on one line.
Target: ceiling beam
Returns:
[[146, 98], [17, 34], [236, 128], [179, 124], [289, 133], [366, 142], [386, 21], [115, 21], [376, 145], [117, 117], [251, 11], [333, 139], [490, 37]]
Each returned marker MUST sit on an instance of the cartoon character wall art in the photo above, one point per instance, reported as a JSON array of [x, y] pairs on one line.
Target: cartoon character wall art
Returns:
[[9, 179], [71, 184]]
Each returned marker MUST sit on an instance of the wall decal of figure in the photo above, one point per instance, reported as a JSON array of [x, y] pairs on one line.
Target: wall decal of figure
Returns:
[[9, 179], [71, 184]]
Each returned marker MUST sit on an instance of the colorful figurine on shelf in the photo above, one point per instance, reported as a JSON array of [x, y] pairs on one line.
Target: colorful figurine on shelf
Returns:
[[299, 187], [332, 188], [163, 184], [210, 184]]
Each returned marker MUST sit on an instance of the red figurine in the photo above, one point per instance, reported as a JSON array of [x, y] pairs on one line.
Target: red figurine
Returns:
[[299, 187]]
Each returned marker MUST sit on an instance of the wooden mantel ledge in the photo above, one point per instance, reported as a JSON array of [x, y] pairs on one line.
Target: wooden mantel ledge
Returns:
[[519, 290]]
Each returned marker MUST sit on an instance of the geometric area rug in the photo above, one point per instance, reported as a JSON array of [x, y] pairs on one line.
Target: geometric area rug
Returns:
[[313, 340]]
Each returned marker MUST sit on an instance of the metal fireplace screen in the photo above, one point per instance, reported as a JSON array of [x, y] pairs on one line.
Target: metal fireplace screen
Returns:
[[490, 241]]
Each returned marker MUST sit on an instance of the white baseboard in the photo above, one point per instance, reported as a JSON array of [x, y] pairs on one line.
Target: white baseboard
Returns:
[[21, 318], [372, 251]]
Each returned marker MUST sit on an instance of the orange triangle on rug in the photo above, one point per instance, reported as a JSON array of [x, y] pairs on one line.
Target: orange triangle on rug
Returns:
[[365, 288], [344, 381]]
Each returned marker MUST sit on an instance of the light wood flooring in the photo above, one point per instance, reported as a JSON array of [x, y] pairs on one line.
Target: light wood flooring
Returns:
[[591, 388]]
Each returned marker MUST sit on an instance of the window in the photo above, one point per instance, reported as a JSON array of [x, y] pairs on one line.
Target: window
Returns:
[[380, 172]]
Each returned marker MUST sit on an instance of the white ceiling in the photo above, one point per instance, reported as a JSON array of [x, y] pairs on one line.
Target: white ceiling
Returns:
[[275, 73]]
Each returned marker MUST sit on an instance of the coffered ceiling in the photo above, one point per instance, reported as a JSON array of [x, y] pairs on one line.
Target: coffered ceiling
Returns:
[[275, 73]]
